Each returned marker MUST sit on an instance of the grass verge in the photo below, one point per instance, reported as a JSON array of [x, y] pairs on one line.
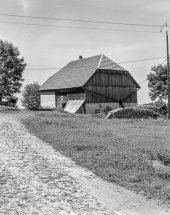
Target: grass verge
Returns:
[[120, 151], [7, 108]]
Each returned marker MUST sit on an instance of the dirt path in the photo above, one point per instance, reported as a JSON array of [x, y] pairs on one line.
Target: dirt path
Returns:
[[35, 179]]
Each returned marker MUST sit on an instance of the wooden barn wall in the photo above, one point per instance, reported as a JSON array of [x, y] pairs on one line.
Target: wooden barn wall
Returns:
[[106, 78], [109, 86], [78, 96], [63, 95], [64, 98]]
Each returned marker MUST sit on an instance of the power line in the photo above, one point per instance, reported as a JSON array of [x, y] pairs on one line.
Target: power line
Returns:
[[117, 63], [147, 78], [163, 61], [141, 60], [143, 81], [74, 27], [80, 20]]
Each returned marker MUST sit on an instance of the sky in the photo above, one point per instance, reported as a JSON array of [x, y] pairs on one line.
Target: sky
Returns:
[[51, 47]]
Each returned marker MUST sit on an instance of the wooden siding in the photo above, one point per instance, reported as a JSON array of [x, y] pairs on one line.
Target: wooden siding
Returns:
[[63, 95], [105, 78], [111, 86], [61, 99]]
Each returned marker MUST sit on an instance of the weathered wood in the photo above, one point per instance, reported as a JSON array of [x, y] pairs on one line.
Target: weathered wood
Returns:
[[75, 90], [106, 86], [63, 99], [103, 87], [111, 78], [108, 94]]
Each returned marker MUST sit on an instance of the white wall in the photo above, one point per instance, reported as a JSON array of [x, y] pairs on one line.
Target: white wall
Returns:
[[91, 107], [48, 99]]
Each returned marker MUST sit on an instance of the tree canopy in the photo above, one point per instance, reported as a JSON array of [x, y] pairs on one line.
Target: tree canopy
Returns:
[[11, 69], [158, 82]]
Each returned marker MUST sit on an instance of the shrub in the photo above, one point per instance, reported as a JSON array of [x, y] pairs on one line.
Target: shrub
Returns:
[[160, 107], [4, 103], [163, 107], [31, 96], [12, 100], [133, 113]]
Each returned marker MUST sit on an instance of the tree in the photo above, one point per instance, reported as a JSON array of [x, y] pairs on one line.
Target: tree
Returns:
[[31, 96], [158, 82], [11, 69]]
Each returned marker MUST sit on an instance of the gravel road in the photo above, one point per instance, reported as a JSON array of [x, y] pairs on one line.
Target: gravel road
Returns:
[[35, 179]]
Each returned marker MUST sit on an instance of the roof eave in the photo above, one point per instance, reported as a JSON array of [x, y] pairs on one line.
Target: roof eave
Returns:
[[55, 89], [134, 80]]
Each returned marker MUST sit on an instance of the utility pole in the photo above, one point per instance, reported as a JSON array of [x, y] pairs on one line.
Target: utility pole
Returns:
[[168, 84], [167, 46]]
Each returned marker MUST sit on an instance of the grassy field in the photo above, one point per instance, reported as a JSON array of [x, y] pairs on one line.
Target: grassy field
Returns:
[[119, 151]]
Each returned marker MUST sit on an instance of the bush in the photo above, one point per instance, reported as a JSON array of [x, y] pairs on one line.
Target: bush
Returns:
[[149, 107], [160, 107], [4, 103], [12, 100], [133, 113], [31, 96], [163, 107]]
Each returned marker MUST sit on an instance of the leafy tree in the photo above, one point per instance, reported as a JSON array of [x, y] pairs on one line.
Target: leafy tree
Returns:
[[11, 69], [31, 96], [158, 82]]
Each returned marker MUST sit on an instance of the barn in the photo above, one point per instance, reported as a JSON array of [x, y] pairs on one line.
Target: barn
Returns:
[[90, 85]]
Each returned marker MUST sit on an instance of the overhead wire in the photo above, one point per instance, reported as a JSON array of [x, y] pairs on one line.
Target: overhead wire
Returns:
[[147, 79], [117, 63], [143, 81], [80, 20], [78, 27], [141, 60], [75, 27]]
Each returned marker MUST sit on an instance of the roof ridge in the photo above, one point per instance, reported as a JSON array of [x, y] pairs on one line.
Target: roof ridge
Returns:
[[100, 61], [84, 58], [113, 62]]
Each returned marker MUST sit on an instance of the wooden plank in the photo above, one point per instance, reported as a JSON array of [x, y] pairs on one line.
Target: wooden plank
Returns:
[[73, 106], [111, 78], [106, 94]]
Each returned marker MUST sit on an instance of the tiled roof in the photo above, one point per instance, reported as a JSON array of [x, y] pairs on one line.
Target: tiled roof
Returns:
[[106, 63], [77, 73]]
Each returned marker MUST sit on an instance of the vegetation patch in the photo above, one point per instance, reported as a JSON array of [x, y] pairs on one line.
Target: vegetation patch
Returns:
[[159, 107], [133, 113], [7, 108], [120, 151]]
